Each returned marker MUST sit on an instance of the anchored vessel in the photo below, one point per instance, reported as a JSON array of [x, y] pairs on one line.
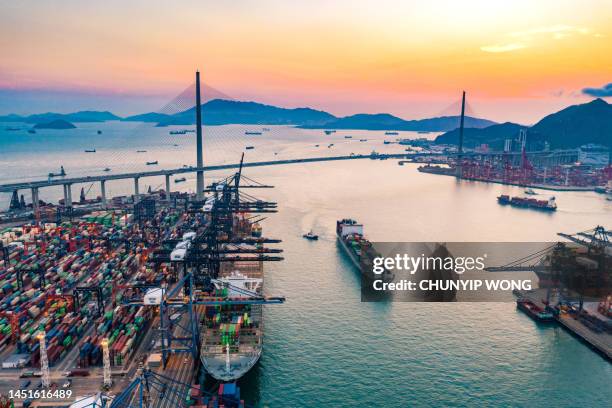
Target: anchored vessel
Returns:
[[359, 250]]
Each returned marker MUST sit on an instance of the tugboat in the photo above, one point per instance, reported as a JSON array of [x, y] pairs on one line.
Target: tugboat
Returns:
[[311, 236], [152, 163]]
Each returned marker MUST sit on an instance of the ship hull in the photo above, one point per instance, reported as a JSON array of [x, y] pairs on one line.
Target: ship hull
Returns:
[[363, 270]]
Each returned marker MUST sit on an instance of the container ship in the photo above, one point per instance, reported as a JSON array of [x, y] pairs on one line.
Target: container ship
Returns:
[[524, 202], [232, 336], [359, 250]]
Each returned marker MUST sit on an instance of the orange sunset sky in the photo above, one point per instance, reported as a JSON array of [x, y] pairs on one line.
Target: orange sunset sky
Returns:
[[518, 60]]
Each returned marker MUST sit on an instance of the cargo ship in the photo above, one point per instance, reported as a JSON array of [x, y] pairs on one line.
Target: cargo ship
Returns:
[[232, 336], [359, 250], [524, 202]]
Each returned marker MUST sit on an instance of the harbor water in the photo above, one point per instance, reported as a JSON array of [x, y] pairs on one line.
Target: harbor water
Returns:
[[324, 347]]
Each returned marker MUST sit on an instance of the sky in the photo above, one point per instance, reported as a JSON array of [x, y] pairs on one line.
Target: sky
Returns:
[[518, 60]]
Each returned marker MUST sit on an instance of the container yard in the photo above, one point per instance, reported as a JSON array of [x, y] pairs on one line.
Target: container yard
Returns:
[[116, 299]]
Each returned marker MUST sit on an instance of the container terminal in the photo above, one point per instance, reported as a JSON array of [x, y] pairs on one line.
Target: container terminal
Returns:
[[588, 168], [575, 286], [174, 287], [145, 303]]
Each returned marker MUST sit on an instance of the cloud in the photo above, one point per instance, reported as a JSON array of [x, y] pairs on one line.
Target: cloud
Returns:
[[527, 38], [603, 92], [503, 47]]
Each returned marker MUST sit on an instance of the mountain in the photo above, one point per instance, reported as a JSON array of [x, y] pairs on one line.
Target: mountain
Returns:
[[82, 116], [148, 117], [222, 112], [55, 124], [571, 127], [577, 125], [12, 118], [384, 121], [494, 135]]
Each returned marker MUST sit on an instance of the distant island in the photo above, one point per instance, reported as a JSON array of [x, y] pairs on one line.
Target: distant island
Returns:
[[573, 126], [55, 124], [225, 112]]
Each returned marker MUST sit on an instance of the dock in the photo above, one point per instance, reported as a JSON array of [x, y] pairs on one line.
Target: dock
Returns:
[[599, 342]]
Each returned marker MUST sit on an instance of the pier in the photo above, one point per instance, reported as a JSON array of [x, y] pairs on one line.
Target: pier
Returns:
[[599, 342]]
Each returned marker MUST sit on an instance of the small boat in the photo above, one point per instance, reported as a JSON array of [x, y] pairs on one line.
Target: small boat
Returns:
[[11, 129], [329, 132], [348, 137], [316, 145], [530, 192], [175, 145], [106, 169], [265, 129], [387, 142], [363, 140], [31, 131], [61, 173], [99, 132], [252, 133], [250, 147], [330, 145], [152, 163], [177, 132], [391, 133], [179, 180], [90, 150], [311, 236], [141, 151]]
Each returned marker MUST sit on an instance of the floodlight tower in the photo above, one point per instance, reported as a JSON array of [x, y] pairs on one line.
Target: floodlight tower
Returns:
[[44, 361], [106, 361]]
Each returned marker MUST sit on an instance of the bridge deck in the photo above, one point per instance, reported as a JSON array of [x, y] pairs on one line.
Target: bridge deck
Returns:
[[58, 181]]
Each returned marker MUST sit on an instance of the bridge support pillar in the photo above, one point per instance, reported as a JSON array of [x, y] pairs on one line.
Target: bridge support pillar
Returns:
[[136, 191], [103, 192], [68, 195], [168, 187], [35, 198]]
